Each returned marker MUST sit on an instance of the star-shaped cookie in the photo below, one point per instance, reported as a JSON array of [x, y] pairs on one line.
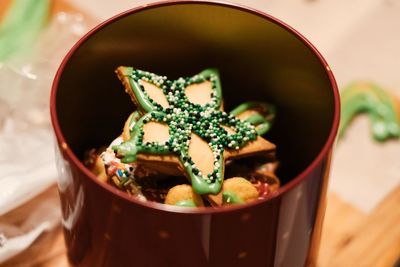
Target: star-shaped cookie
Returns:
[[181, 125]]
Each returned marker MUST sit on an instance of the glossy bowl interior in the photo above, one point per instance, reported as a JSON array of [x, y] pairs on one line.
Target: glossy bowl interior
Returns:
[[258, 59]]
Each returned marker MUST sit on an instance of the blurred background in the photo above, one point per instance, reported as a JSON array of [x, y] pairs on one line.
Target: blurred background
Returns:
[[360, 39]]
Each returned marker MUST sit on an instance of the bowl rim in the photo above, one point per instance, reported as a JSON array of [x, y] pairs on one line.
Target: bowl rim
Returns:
[[69, 154]]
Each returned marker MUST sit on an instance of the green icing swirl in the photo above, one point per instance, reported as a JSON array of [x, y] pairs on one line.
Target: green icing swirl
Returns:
[[262, 120], [374, 101]]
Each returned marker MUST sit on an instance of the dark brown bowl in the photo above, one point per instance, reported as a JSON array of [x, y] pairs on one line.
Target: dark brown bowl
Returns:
[[259, 58]]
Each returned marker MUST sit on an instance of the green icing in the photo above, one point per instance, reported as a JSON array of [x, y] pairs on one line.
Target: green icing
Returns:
[[256, 119], [230, 197], [243, 107], [184, 118], [262, 120], [185, 203], [370, 99], [134, 118], [263, 128], [134, 145], [21, 26], [144, 101]]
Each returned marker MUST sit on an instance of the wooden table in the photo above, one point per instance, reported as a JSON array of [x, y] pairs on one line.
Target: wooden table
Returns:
[[350, 237]]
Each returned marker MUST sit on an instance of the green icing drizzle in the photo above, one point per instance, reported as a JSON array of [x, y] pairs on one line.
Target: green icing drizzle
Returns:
[[135, 117], [185, 203], [184, 118], [262, 120], [230, 197], [135, 144], [371, 99], [21, 25]]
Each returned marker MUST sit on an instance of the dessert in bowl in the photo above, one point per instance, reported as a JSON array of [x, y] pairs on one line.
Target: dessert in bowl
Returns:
[[259, 59], [179, 128]]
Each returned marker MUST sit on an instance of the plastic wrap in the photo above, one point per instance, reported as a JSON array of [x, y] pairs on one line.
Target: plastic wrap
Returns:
[[27, 162]]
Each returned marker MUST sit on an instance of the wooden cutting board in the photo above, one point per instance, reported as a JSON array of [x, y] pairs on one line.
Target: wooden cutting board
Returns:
[[350, 237]]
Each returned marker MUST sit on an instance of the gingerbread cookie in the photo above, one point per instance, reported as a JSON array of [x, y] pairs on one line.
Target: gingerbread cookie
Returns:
[[236, 190], [183, 125], [184, 196]]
